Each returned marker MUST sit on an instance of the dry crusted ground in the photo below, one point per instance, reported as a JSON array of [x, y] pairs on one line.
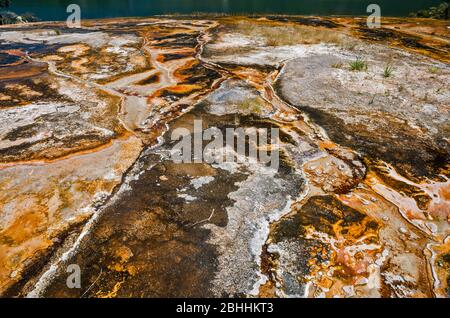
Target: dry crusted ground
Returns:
[[358, 208]]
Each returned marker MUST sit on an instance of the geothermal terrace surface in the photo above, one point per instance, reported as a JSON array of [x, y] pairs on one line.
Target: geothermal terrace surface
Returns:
[[359, 207]]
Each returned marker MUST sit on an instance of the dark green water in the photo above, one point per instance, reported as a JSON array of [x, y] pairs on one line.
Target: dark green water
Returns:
[[56, 9]]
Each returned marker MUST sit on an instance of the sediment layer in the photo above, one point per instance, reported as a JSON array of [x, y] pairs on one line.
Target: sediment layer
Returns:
[[359, 206]]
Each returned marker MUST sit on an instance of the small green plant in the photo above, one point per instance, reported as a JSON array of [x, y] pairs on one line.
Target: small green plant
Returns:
[[252, 105], [388, 70], [358, 65], [433, 70]]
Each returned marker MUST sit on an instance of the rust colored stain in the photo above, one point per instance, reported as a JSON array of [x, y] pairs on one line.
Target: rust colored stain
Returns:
[[84, 156]]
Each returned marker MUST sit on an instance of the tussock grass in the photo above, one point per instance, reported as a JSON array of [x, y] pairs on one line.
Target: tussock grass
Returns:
[[358, 65], [433, 70], [388, 70]]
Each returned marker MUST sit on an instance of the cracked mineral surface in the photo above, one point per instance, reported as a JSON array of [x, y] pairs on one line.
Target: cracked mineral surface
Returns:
[[358, 207]]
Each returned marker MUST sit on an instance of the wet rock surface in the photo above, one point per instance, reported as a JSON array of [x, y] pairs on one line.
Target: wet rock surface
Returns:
[[357, 110], [358, 206]]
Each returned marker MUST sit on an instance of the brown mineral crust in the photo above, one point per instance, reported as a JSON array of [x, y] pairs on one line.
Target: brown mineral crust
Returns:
[[24, 70], [424, 36], [41, 210], [68, 139], [163, 254], [342, 226], [421, 198], [150, 80], [371, 228], [402, 242], [440, 268]]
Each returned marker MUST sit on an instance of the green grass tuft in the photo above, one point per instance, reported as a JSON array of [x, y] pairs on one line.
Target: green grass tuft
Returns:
[[358, 65], [433, 70], [388, 70], [252, 105]]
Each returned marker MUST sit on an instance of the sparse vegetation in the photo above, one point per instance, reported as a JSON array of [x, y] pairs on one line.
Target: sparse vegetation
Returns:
[[277, 35], [9, 17], [251, 105], [388, 70], [337, 65], [358, 65], [349, 44], [433, 70]]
